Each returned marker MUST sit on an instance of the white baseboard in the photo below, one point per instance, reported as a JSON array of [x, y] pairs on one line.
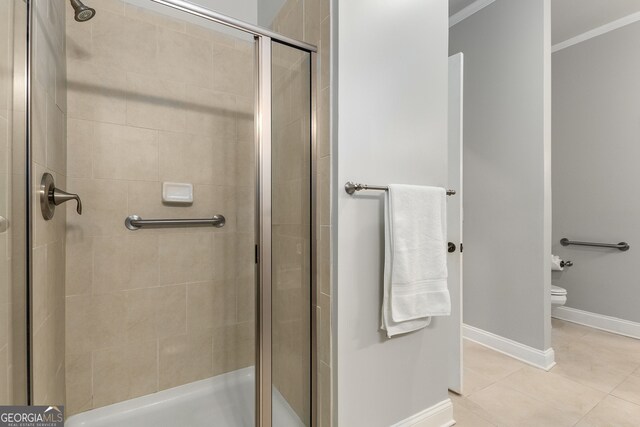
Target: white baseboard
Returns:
[[532, 356], [439, 415], [598, 321]]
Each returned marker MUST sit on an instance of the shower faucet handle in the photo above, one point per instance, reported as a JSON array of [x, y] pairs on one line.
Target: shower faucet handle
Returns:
[[50, 197], [60, 197]]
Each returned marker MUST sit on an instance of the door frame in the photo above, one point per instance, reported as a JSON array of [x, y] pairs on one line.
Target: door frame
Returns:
[[455, 147]]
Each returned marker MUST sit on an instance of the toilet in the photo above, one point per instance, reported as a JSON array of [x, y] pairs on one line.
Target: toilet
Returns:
[[558, 296]]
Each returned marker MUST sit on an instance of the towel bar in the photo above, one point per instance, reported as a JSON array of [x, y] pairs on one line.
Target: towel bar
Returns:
[[351, 188]]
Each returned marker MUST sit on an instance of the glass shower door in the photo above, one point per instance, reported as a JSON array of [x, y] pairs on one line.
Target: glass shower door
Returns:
[[291, 151], [160, 126]]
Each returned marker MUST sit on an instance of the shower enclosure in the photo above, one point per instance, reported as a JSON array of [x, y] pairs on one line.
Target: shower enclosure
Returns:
[[163, 268]]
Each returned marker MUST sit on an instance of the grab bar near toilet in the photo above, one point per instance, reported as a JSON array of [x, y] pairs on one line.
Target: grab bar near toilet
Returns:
[[622, 246]]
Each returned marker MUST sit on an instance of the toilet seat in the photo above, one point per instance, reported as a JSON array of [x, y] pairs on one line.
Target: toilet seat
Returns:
[[557, 290]]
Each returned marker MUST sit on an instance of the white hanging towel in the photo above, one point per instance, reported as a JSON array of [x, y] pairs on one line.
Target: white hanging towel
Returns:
[[415, 262]]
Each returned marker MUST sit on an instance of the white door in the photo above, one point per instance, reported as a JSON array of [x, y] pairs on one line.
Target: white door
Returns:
[[454, 220]]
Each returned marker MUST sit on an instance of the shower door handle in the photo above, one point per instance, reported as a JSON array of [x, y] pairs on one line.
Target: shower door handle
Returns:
[[50, 197]]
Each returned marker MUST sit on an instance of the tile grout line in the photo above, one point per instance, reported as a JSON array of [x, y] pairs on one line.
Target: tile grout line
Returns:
[[624, 380], [474, 412], [605, 395], [629, 375], [590, 386]]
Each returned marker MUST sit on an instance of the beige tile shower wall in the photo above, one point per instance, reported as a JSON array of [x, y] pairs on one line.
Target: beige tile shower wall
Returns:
[[6, 78], [155, 99], [49, 155], [309, 20]]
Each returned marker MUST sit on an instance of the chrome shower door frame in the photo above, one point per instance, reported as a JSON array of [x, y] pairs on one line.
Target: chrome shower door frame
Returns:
[[263, 114], [263, 45], [263, 107]]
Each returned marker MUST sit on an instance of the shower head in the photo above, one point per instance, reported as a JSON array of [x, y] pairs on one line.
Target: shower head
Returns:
[[82, 13]]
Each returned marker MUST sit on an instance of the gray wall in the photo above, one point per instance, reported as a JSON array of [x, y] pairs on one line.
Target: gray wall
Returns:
[[245, 10], [392, 128], [267, 11], [506, 172], [596, 178]]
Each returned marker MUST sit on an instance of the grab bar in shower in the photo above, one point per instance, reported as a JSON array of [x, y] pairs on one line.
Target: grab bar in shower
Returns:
[[622, 246], [134, 222]]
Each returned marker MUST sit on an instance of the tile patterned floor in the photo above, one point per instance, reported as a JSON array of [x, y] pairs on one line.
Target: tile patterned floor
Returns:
[[596, 383]]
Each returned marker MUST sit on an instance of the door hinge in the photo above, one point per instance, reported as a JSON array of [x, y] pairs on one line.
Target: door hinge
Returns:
[[257, 254]]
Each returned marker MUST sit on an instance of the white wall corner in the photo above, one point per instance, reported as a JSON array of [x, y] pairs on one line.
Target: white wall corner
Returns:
[[598, 321], [474, 7], [529, 355], [438, 415], [548, 189]]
